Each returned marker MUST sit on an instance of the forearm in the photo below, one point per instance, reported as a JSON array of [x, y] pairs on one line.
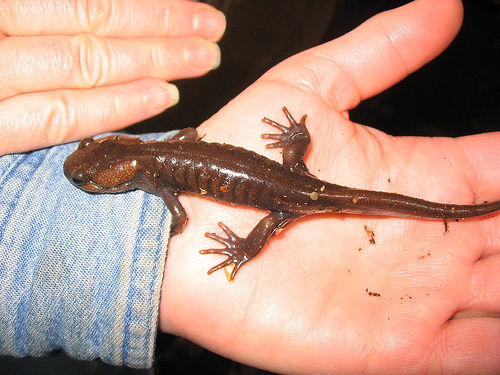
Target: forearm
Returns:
[[80, 272]]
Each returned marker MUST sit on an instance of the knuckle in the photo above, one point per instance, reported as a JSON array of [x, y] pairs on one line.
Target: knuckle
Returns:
[[60, 121], [95, 15], [8, 15], [90, 59], [158, 58], [169, 18]]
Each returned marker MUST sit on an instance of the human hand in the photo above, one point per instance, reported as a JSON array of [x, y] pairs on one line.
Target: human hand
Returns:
[[304, 305], [73, 69]]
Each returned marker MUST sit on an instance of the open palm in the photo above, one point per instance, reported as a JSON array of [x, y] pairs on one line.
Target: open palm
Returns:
[[348, 293]]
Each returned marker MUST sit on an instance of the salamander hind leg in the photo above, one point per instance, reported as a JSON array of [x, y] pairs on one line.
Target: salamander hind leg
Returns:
[[240, 250], [294, 140]]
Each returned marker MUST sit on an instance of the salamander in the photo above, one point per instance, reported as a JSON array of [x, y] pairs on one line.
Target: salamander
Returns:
[[226, 173]]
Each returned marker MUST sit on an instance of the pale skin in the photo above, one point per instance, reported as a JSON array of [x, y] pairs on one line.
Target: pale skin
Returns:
[[303, 305], [74, 68]]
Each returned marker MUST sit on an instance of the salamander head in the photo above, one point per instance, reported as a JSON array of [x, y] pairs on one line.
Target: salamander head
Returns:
[[105, 165]]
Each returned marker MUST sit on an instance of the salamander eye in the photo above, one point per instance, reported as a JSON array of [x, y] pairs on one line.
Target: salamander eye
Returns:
[[77, 178], [85, 142]]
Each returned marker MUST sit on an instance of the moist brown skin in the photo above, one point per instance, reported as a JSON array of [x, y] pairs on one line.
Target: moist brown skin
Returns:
[[226, 173]]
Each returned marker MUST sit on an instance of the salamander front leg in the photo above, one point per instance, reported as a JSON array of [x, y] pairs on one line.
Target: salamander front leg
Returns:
[[294, 140], [179, 217], [241, 250], [186, 134]]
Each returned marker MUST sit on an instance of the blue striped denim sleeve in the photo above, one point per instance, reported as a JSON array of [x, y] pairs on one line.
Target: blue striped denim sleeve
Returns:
[[79, 272]]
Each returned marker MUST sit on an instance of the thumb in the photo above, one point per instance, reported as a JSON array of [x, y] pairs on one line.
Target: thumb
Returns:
[[376, 55]]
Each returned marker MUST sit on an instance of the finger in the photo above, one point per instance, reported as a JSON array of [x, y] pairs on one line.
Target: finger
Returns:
[[86, 61], [37, 120], [125, 18], [485, 287], [482, 153], [375, 55], [468, 344]]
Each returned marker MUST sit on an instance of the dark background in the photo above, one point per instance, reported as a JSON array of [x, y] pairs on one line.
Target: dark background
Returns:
[[456, 94]]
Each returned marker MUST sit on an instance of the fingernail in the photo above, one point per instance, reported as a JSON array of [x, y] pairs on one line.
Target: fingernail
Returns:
[[202, 55], [210, 23], [161, 95]]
